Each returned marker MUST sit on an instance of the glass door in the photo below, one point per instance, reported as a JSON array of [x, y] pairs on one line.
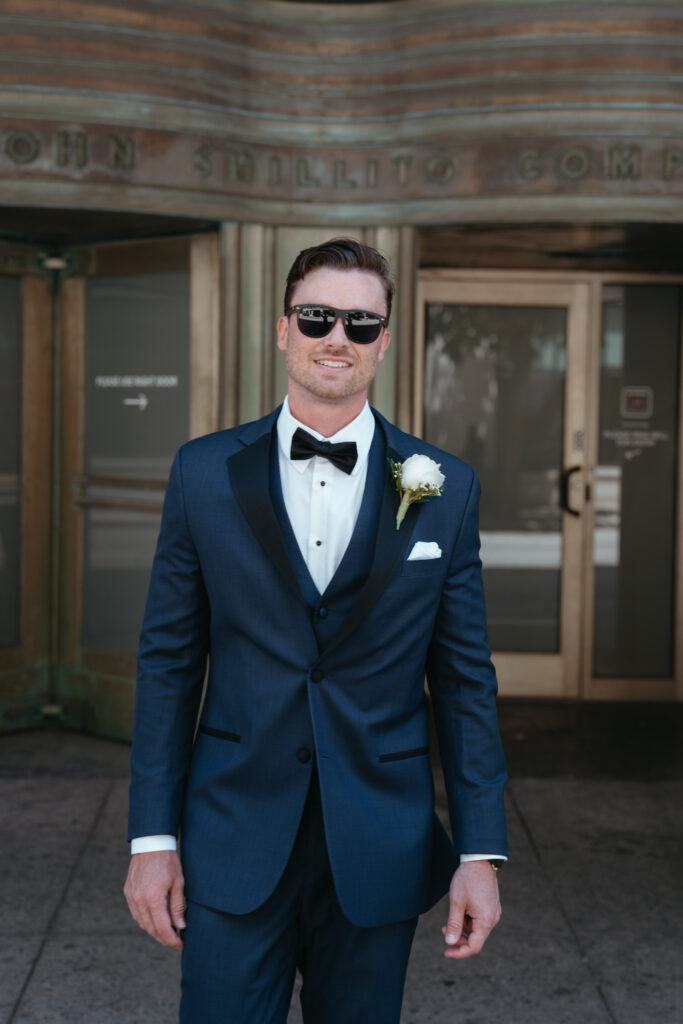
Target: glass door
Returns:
[[501, 382], [26, 302], [139, 350], [630, 621]]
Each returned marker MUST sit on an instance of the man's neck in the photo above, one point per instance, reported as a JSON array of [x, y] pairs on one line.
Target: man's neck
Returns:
[[326, 418]]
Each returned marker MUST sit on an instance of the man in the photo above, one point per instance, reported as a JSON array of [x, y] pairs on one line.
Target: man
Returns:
[[306, 803]]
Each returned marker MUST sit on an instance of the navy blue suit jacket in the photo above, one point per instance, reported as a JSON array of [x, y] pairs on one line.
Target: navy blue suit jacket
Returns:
[[225, 587]]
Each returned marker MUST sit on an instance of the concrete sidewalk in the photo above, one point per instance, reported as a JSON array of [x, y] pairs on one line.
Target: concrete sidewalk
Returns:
[[592, 898]]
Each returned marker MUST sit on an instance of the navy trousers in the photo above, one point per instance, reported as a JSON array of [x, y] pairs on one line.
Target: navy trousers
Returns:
[[240, 968]]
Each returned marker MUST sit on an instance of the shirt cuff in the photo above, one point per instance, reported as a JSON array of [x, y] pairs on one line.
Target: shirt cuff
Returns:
[[464, 857], [152, 844]]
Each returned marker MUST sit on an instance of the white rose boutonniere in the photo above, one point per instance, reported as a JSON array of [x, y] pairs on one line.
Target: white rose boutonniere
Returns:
[[417, 478]]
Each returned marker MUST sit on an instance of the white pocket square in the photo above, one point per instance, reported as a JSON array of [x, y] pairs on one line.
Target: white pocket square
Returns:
[[424, 549]]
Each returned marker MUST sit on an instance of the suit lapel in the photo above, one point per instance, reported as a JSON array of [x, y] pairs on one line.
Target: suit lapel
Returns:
[[360, 549], [389, 550], [250, 476]]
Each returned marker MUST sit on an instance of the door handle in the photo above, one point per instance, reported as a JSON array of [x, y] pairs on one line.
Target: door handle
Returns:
[[564, 490]]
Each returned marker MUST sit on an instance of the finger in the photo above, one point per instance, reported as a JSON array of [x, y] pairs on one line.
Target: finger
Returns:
[[138, 909], [460, 951], [477, 938], [470, 943], [140, 912], [456, 922], [176, 903], [162, 927], [144, 919]]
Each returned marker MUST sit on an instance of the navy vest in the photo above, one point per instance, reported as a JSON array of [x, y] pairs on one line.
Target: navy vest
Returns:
[[329, 610]]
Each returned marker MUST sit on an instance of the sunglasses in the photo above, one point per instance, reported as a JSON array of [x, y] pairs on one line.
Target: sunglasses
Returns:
[[361, 327]]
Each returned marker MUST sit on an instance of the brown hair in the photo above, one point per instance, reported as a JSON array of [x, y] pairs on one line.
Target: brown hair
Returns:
[[340, 254]]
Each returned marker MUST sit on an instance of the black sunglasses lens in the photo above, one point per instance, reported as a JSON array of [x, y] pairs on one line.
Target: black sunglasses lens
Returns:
[[315, 321], [362, 328]]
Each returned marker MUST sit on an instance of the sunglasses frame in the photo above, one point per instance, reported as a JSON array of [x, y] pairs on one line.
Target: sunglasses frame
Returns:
[[339, 314]]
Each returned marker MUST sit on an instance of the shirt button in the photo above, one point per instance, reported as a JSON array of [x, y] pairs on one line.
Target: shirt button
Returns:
[[322, 612], [322, 483], [304, 754], [318, 543], [317, 675]]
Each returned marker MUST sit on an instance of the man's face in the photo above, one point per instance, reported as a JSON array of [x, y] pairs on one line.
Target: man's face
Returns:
[[333, 368]]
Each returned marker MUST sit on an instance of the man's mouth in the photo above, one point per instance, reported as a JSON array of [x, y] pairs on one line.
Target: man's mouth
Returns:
[[333, 364]]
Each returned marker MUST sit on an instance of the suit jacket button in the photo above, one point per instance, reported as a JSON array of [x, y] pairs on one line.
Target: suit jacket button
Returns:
[[317, 675], [304, 754], [322, 612]]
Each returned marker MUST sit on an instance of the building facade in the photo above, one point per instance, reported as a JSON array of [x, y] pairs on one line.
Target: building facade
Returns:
[[521, 165]]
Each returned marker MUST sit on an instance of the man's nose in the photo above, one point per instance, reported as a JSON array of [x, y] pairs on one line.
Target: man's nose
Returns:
[[337, 335]]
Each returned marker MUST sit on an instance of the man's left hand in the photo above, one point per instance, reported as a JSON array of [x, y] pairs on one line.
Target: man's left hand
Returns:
[[474, 909]]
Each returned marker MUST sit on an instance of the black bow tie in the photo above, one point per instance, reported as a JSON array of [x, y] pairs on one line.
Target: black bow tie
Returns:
[[342, 455]]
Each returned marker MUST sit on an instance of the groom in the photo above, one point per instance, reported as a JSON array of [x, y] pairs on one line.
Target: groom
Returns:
[[305, 801]]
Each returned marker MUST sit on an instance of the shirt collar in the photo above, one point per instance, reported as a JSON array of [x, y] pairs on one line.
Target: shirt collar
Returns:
[[360, 430]]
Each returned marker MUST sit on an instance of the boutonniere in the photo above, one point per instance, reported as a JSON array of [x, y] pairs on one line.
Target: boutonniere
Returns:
[[417, 478]]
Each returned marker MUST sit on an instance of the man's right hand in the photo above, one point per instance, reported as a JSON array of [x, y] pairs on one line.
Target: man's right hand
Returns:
[[154, 891]]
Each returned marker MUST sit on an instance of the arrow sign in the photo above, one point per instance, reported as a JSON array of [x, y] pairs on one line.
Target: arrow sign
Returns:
[[141, 401]]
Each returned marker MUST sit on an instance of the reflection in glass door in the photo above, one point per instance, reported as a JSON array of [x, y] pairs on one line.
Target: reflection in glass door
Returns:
[[504, 368], [494, 393]]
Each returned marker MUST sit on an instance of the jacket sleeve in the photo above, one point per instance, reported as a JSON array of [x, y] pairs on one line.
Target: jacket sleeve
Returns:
[[172, 657], [463, 687]]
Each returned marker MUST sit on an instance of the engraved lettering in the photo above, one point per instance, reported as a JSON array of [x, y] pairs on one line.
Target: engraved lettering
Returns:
[[275, 170], [402, 165], [239, 166], [440, 169], [340, 178], [574, 163], [527, 164], [22, 147], [371, 172], [303, 178], [72, 146], [624, 163], [672, 162], [202, 161], [120, 153]]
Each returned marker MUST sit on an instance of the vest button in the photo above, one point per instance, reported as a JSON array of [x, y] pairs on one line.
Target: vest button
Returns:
[[304, 754], [317, 675], [322, 612]]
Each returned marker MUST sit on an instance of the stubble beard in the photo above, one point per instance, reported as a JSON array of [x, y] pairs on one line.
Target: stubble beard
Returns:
[[303, 374]]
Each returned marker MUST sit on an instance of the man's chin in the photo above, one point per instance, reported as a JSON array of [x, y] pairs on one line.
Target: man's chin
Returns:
[[333, 390]]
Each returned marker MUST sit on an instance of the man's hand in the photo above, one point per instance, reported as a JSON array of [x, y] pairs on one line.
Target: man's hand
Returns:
[[154, 891], [474, 909]]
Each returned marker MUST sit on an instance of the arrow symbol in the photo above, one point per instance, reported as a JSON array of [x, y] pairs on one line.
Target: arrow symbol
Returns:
[[141, 401]]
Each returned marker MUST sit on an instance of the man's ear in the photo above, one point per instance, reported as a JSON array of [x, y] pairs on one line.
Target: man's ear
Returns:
[[282, 333], [386, 338]]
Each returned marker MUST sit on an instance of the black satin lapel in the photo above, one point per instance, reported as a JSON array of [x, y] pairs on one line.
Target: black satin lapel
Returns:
[[250, 475], [390, 549]]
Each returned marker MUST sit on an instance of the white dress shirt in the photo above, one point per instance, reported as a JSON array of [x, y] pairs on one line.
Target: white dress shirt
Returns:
[[322, 501], [322, 505]]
